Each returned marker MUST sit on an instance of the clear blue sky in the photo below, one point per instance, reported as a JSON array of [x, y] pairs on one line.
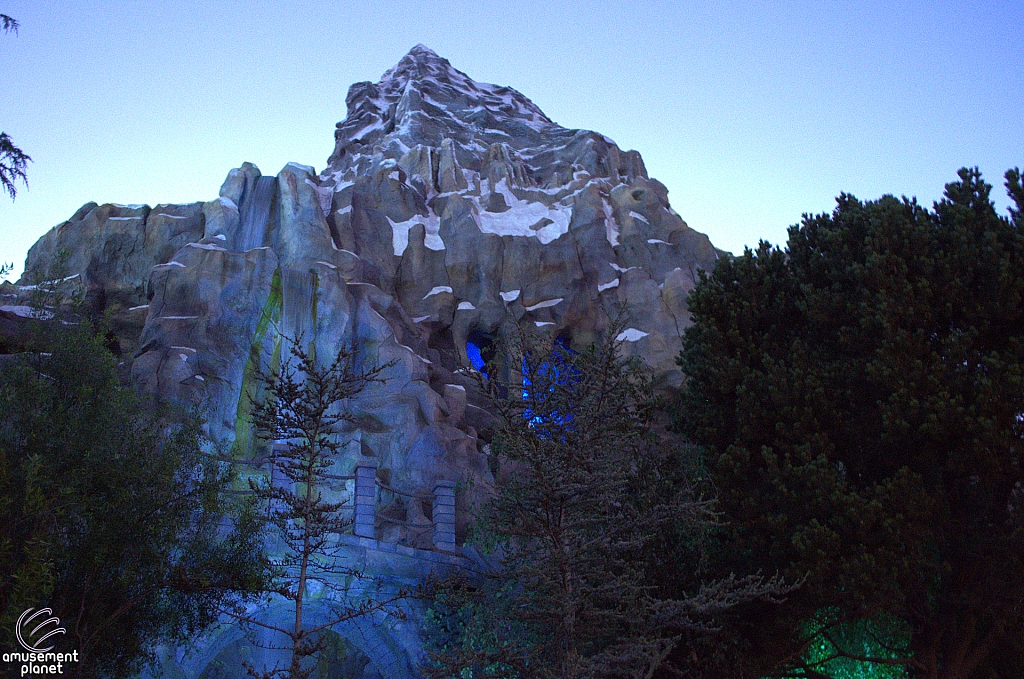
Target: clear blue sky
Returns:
[[750, 113]]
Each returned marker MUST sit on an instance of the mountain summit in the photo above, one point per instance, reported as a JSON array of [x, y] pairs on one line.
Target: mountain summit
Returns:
[[449, 213], [423, 100]]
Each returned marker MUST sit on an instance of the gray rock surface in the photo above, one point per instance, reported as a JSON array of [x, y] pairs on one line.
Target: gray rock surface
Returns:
[[449, 211]]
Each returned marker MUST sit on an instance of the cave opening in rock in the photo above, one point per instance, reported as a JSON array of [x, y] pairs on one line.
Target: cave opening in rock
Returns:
[[480, 351]]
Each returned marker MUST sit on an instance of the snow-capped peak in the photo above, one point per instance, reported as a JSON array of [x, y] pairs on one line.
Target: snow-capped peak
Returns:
[[423, 99], [443, 129]]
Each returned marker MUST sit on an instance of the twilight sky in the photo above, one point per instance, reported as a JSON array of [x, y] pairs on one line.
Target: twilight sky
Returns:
[[750, 113]]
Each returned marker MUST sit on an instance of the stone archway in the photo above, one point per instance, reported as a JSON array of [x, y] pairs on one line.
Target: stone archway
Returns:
[[374, 646]]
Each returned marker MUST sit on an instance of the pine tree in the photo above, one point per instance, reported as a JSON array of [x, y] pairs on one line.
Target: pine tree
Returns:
[[302, 409], [111, 512], [573, 520], [13, 160], [860, 396]]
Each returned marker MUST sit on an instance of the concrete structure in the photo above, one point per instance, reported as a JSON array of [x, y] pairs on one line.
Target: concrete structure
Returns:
[[444, 516], [365, 498]]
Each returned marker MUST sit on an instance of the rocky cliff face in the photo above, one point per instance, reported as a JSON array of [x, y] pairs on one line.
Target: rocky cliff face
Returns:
[[449, 211]]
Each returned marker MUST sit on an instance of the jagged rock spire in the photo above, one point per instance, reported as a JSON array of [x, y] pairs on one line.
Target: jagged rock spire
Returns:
[[423, 101]]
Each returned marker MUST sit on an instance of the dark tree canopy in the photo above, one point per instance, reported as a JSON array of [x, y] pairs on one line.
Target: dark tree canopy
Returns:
[[111, 514], [588, 487], [861, 399]]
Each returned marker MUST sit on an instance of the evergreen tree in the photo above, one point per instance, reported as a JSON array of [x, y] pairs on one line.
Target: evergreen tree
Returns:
[[573, 521], [860, 397], [111, 513], [303, 408], [12, 159]]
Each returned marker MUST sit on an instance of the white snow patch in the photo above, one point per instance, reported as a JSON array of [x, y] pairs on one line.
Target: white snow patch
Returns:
[[302, 168], [410, 350], [323, 196], [183, 348], [637, 215], [420, 319], [394, 175], [437, 290], [169, 265], [456, 386], [652, 241], [541, 324], [351, 253], [178, 318], [200, 378], [510, 295], [465, 306], [26, 312], [631, 335], [221, 236], [123, 219], [183, 357], [36, 287], [619, 268], [134, 206], [164, 214], [431, 225], [341, 186], [362, 132], [546, 303], [327, 264], [521, 216], [611, 228], [608, 286], [136, 308], [205, 246], [227, 202], [345, 210]]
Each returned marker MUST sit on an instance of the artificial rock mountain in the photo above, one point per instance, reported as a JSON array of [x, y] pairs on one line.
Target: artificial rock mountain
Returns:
[[449, 211]]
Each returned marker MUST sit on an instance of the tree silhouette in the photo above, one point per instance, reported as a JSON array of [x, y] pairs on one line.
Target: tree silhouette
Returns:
[[303, 408], [12, 159]]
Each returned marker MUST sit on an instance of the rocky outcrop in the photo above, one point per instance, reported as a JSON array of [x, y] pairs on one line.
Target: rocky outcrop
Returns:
[[449, 212]]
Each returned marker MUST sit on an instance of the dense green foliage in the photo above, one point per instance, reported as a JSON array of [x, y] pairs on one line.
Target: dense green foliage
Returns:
[[860, 398], [574, 520], [111, 514]]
